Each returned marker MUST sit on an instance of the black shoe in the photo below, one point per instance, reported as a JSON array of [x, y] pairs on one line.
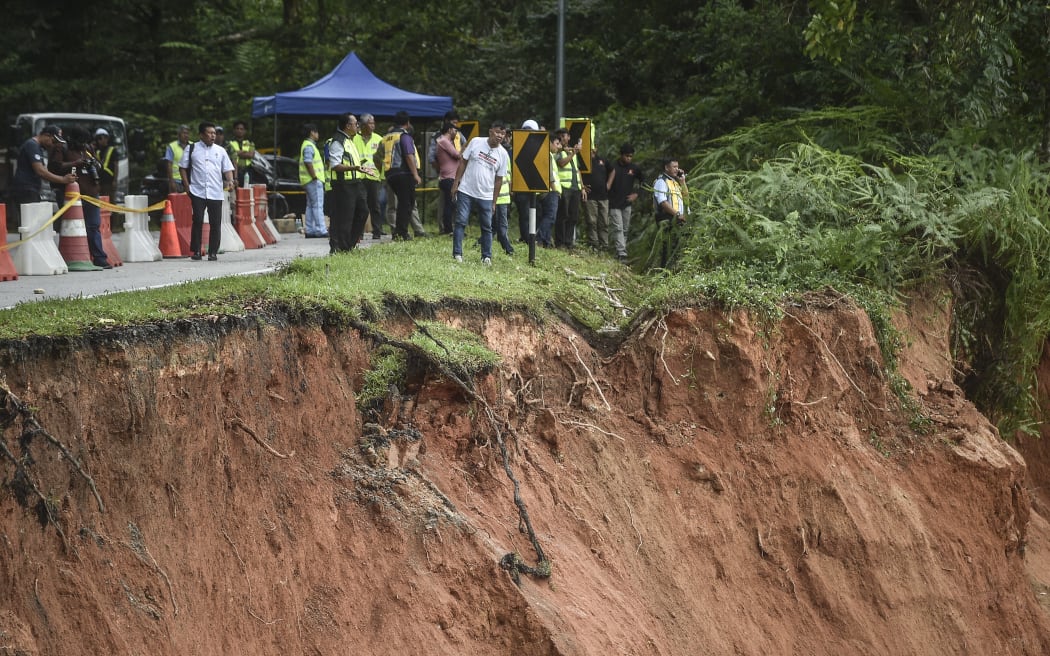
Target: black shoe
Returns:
[[104, 265], [213, 258], [196, 256]]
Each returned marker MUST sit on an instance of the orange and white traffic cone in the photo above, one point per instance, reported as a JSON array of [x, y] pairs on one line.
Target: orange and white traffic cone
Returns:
[[169, 236], [72, 239]]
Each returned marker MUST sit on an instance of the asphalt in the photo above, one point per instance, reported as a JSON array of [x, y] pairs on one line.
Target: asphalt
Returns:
[[163, 273]]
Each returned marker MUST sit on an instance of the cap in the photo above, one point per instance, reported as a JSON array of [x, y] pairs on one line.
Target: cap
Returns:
[[530, 125], [102, 132], [218, 130], [55, 132]]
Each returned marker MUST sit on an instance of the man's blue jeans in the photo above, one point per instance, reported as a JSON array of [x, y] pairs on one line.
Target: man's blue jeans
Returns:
[[315, 226], [464, 205]]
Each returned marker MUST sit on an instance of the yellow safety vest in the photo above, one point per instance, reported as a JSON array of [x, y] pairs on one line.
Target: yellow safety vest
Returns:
[[318, 163], [351, 157], [367, 151], [674, 194], [569, 175], [238, 146], [504, 191], [392, 152], [555, 175], [176, 153]]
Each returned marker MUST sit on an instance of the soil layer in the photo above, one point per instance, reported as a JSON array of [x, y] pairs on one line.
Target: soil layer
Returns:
[[714, 485]]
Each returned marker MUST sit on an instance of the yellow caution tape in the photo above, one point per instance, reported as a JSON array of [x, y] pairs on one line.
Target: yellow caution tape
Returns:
[[70, 203]]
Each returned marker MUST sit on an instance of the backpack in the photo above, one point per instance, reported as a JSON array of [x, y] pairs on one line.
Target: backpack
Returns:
[[326, 149]]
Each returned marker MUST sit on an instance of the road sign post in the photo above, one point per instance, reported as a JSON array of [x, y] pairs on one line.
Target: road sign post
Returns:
[[530, 173]]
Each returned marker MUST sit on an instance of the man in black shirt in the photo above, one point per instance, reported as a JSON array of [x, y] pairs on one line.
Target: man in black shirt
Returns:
[[625, 179], [31, 170], [596, 207]]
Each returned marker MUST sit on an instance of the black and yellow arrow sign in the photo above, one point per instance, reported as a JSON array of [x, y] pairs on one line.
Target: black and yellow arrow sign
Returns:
[[469, 129], [580, 130], [530, 153]]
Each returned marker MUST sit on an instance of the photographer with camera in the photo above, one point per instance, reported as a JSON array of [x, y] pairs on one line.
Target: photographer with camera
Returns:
[[77, 156], [669, 194]]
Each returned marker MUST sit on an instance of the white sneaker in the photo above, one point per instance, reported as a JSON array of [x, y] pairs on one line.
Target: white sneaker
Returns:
[[458, 258], [487, 261]]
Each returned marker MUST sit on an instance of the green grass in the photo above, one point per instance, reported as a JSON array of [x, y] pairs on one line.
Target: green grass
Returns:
[[352, 284]]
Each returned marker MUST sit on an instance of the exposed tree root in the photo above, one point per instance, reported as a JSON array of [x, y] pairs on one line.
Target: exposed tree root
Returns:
[[572, 342], [512, 562], [244, 569], [239, 423], [13, 409]]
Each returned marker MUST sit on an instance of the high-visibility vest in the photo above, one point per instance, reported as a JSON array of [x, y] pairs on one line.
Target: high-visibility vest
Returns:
[[350, 157], [105, 158], [238, 146], [176, 153], [569, 175], [318, 164], [367, 151], [674, 194], [504, 189], [555, 175], [392, 155]]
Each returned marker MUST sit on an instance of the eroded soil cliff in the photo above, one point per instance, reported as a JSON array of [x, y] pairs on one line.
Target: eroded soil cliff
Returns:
[[712, 486]]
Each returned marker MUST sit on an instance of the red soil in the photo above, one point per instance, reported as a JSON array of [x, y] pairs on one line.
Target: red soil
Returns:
[[715, 486]]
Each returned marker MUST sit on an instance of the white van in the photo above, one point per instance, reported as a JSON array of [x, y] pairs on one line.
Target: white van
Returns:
[[28, 125]]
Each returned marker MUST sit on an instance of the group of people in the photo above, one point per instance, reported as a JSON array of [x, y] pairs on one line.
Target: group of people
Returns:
[[344, 179], [346, 176], [476, 179], [80, 157]]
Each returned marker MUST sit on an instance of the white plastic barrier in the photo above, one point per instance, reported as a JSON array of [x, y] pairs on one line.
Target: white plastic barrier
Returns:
[[136, 244], [231, 241], [39, 256]]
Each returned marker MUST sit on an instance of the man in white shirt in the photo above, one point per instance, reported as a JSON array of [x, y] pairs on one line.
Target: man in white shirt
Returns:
[[207, 173], [477, 186]]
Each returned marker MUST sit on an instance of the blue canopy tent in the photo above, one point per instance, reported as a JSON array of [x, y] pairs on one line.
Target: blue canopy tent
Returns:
[[350, 87]]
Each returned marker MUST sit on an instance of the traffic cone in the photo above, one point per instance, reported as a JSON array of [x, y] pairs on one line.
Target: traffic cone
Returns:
[[72, 240], [169, 236], [7, 265]]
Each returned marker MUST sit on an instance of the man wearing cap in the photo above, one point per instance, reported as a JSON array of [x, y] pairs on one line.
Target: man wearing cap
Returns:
[[172, 157], [30, 170], [104, 152]]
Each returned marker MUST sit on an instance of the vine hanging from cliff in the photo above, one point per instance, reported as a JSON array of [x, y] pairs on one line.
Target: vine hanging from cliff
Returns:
[[12, 410]]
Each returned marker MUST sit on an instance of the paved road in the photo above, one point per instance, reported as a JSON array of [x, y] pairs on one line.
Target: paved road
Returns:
[[151, 275]]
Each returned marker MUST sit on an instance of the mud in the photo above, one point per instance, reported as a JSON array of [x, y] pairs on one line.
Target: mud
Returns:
[[711, 485]]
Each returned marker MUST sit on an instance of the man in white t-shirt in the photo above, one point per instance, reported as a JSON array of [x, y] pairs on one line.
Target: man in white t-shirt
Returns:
[[477, 186]]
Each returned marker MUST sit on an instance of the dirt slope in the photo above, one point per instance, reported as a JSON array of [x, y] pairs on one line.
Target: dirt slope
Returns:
[[714, 486]]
